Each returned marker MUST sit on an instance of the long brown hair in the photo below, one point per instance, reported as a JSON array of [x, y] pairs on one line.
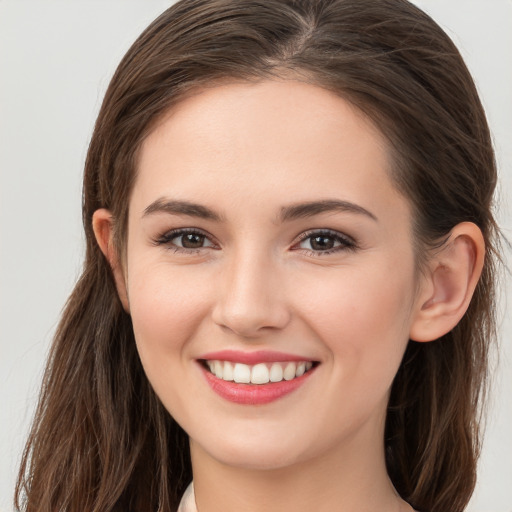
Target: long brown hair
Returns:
[[101, 440]]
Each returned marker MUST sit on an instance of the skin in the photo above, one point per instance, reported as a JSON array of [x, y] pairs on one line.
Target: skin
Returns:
[[246, 152]]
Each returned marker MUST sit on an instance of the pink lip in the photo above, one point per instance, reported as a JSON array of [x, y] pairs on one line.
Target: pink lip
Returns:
[[254, 394], [261, 356]]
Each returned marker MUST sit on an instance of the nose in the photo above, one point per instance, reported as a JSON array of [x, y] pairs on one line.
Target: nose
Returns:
[[251, 299]]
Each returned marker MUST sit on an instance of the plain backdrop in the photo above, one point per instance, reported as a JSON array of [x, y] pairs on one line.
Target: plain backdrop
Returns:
[[56, 58]]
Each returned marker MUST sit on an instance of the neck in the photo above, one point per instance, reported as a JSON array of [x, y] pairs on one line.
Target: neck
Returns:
[[351, 478]]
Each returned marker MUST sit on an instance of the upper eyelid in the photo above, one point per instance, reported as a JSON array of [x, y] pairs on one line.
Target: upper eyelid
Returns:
[[178, 231], [325, 231], [174, 233]]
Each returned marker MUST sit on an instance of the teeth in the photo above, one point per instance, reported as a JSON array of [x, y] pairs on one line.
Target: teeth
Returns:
[[276, 373], [228, 371], [301, 368], [242, 373], [260, 373], [289, 371], [218, 369]]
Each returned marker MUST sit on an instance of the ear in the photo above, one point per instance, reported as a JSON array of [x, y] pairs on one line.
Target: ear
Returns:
[[102, 225], [449, 283]]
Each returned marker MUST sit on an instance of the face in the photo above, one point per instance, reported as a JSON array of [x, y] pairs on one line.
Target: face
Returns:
[[270, 273]]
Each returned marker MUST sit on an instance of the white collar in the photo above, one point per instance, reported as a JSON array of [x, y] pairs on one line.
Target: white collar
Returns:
[[188, 501]]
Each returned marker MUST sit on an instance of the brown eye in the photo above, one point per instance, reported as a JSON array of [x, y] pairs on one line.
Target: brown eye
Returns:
[[325, 242], [321, 243], [188, 239], [191, 241]]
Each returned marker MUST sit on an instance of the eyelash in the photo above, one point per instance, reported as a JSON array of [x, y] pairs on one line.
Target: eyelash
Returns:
[[346, 243], [168, 237]]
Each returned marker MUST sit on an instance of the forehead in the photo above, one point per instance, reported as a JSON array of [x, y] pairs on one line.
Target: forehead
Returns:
[[276, 139], [239, 111]]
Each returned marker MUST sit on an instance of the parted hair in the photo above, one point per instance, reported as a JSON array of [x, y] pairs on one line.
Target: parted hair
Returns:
[[101, 440]]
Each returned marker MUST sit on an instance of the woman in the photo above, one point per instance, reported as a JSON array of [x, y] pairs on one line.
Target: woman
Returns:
[[290, 267]]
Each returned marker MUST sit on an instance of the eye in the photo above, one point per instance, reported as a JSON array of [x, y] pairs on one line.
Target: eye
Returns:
[[185, 240], [191, 241], [325, 241]]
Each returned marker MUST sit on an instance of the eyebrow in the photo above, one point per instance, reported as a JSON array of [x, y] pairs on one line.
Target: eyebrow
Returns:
[[288, 213], [177, 207], [303, 210]]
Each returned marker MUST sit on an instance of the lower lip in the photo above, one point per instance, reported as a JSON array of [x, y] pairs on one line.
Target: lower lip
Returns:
[[254, 394]]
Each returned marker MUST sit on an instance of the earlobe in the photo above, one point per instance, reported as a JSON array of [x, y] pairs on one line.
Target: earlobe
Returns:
[[102, 224], [449, 283]]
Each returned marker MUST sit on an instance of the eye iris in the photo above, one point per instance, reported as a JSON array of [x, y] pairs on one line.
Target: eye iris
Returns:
[[322, 243], [192, 241]]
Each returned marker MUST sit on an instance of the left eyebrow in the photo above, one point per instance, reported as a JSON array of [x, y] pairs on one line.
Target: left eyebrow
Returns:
[[309, 209], [176, 207]]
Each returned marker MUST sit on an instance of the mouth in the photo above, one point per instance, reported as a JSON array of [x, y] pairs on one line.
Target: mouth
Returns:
[[258, 374], [256, 378]]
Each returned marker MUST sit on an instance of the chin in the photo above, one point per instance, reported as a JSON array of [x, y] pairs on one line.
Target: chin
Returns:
[[256, 458], [249, 451]]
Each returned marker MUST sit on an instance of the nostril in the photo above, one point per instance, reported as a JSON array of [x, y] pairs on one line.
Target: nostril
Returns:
[[249, 322]]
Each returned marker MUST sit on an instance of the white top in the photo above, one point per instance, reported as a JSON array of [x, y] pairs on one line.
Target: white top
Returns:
[[188, 501]]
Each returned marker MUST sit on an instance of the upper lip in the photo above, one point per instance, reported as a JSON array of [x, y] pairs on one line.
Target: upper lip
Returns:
[[251, 358]]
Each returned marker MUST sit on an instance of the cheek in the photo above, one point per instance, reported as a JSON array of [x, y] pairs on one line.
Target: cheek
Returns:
[[364, 321], [166, 309]]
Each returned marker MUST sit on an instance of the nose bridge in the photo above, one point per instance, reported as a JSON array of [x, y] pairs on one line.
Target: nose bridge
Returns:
[[251, 297]]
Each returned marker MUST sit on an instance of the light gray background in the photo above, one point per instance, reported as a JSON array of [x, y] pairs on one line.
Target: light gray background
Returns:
[[56, 58]]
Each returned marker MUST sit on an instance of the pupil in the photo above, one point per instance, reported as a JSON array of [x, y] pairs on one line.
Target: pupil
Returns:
[[192, 241], [322, 242]]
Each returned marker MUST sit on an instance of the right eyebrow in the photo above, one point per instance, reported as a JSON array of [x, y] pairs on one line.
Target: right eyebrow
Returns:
[[177, 207], [310, 209]]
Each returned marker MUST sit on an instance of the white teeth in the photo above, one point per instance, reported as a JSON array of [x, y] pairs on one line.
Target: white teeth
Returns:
[[242, 373], [289, 371], [301, 369], [218, 369], [261, 373], [276, 373], [228, 371]]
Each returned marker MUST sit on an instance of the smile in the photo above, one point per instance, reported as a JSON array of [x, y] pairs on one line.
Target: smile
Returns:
[[255, 378], [261, 373]]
